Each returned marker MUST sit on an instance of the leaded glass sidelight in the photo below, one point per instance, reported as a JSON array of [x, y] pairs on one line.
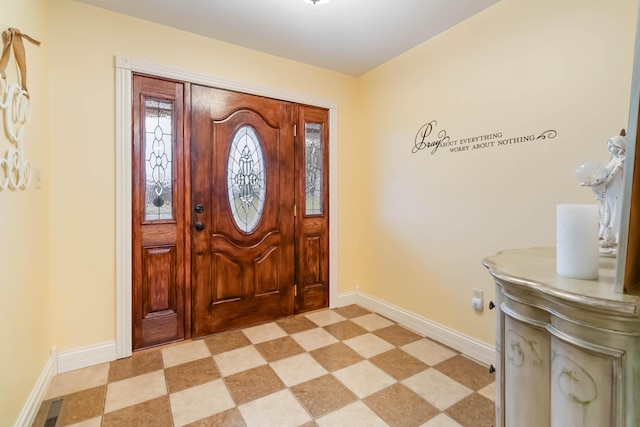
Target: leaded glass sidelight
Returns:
[[158, 160], [313, 168], [246, 179]]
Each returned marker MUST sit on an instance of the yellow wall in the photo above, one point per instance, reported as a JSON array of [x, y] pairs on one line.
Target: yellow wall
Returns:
[[85, 40], [413, 227], [25, 335], [520, 67]]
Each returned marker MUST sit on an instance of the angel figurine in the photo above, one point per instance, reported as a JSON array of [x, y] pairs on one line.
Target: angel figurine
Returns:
[[606, 181]]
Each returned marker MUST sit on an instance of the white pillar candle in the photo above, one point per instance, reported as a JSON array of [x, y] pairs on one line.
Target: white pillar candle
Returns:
[[577, 247]]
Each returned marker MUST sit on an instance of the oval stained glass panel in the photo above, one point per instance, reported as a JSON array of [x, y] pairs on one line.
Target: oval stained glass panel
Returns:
[[246, 179]]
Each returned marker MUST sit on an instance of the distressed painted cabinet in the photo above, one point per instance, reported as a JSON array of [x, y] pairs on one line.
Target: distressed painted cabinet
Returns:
[[567, 350]]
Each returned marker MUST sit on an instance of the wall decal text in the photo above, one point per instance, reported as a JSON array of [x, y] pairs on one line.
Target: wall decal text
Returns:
[[435, 140]]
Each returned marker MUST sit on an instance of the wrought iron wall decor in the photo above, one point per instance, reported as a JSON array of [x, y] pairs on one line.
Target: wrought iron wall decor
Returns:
[[15, 170]]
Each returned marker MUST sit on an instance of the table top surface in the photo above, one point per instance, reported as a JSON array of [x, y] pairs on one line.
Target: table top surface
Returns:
[[535, 268]]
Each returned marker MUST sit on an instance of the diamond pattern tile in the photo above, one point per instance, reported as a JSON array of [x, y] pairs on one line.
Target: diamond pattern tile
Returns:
[[466, 371], [238, 360], [150, 413], [397, 335], [345, 330], [187, 352], [336, 356], [279, 348], [364, 378], [297, 369], [398, 364], [436, 388], [199, 402], [190, 374], [314, 338], [345, 366], [399, 406], [131, 391], [368, 345], [249, 385], [279, 409], [138, 364], [323, 395]]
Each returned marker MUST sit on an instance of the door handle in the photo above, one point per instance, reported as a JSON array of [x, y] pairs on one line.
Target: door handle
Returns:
[[199, 226]]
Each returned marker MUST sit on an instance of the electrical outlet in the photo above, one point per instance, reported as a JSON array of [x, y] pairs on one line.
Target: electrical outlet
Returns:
[[478, 300]]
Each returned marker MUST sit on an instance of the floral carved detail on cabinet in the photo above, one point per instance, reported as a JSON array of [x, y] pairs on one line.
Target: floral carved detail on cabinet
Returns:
[[519, 349], [574, 383]]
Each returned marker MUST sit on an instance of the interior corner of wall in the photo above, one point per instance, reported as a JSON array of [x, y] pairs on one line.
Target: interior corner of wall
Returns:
[[54, 358]]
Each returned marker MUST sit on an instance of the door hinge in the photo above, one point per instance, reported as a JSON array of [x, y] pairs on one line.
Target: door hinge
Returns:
[[295, 130], [295, 211], [295, 290]]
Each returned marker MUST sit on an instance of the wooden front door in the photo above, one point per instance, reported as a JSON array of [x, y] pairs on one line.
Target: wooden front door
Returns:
[[230, 209], [312, 219], [242, 201], [158, 215]]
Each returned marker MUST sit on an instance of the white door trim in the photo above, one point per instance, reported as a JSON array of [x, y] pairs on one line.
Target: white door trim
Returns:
[[125, 67]]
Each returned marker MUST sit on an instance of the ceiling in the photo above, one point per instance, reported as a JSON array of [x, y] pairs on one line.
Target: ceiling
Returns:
[[347, 36]]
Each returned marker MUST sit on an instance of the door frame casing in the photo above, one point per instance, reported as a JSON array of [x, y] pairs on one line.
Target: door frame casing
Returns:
[[125, 68]]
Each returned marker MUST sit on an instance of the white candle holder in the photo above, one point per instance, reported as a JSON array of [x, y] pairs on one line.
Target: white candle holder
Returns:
[[577, 248]]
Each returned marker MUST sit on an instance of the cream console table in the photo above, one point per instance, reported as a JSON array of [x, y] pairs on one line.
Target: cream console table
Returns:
[[567, 350]]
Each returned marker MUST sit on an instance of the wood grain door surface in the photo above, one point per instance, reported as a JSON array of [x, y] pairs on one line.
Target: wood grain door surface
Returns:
[[198, 269], [241, 274], [312, 200], [158, 214]]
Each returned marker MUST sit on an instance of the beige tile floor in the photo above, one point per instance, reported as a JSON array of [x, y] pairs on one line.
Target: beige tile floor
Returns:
[[341, 367]]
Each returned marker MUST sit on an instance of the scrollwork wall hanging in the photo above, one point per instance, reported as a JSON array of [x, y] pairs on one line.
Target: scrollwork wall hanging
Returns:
[[15, 170]]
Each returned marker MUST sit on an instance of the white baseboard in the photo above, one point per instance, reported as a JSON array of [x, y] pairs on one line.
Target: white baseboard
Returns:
[[58, 363], [32, 405], [466, 345], [347, 298], [86, 356]]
